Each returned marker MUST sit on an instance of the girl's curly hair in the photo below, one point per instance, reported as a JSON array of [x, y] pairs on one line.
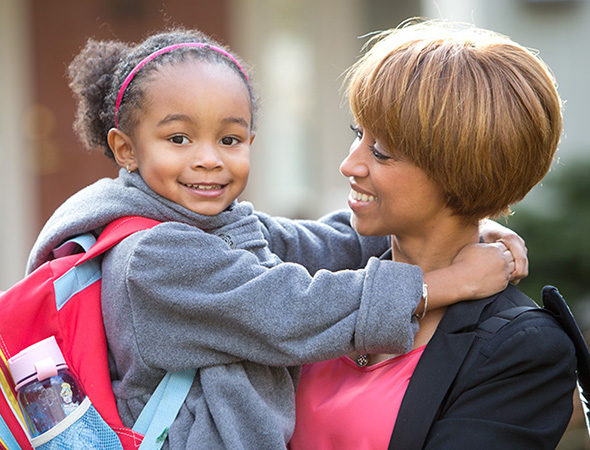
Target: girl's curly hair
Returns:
[[98, 71]]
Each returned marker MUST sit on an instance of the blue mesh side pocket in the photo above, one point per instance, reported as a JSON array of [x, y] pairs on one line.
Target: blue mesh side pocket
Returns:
[[82, 429]]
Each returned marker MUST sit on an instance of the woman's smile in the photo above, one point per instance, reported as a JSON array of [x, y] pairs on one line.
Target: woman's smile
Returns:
[[360, 197], [358, 200]]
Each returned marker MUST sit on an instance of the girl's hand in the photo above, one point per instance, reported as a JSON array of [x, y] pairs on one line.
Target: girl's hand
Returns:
[[478, 271], [484, 268], [491, 232]]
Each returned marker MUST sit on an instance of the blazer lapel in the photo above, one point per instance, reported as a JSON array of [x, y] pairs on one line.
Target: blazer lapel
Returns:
[[434, 374]]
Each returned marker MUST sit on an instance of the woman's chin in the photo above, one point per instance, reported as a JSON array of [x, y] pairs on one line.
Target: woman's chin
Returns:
[[366, 227]]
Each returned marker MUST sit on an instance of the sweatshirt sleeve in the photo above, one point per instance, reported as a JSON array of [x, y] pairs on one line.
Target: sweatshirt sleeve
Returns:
[[195, 303], [328, 243]]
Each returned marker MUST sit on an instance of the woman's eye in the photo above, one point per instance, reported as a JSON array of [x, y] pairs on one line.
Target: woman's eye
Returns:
[[357, 131], [179, 139], [228, 140], [377, 154]]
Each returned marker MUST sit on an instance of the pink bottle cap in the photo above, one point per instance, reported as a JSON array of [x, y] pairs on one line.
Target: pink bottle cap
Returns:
[[38, 361]]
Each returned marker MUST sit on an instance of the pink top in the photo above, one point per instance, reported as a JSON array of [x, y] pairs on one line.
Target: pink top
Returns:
[[346, 407]]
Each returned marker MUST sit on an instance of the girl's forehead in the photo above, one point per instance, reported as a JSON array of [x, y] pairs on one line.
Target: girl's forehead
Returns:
[[193, 66], [184, 73], [198, 87]]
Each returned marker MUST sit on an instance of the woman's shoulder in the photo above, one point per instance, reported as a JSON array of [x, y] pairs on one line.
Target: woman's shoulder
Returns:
[[513, 310], [519, 328], [509, 318]]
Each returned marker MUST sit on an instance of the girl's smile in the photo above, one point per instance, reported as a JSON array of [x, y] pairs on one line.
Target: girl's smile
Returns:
[[205, 190], [210, 189]]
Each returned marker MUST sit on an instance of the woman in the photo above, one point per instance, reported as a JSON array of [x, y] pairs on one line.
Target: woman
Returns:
[[453, 125]]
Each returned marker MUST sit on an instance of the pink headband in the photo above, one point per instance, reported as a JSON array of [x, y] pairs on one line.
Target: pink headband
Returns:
[[157, 53]]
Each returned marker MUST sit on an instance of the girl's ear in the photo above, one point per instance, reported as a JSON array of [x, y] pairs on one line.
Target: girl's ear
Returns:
[[122, 147]]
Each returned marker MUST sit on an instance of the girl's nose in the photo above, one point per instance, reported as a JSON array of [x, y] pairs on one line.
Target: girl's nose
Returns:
[[206, 156]]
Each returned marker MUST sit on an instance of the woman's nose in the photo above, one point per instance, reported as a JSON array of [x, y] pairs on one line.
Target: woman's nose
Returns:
[[353, 166]]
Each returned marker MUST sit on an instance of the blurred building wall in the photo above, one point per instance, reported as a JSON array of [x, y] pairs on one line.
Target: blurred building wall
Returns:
[[299, 51], [18, 202]]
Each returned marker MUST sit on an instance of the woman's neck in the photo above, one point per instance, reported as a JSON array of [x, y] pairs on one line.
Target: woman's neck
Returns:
[[436, 248], [433, 250]]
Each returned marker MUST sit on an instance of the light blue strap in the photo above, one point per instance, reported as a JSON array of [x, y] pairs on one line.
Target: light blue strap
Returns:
[[162, 408], [79, 277], [75, 280], [6, 437], [85, 241]]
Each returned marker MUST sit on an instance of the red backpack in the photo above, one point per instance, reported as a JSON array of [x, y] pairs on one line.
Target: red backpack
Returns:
[[61, 298]]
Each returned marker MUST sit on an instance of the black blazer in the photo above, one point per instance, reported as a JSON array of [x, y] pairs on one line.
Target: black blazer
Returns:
[[506, 390]]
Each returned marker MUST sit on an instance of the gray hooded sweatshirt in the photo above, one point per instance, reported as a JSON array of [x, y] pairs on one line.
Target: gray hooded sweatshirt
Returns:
[[216, 293]]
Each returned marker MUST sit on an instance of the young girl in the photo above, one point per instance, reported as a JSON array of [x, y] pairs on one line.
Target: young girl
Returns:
[[207, 288]]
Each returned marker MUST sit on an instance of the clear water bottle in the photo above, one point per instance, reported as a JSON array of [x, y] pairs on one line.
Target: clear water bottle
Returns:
[[47, 391]]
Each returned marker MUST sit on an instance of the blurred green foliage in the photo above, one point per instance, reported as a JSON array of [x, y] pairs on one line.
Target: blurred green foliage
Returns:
[[556, 231]]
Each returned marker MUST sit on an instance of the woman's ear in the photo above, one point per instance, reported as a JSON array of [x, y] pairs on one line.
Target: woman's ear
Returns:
[[122, 147]]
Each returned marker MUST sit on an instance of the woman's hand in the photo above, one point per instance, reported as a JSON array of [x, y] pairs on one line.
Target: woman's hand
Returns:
[[491, 232]]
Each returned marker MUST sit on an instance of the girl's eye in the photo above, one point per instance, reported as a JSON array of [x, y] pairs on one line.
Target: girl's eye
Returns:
[[179, 139], [229, 141]]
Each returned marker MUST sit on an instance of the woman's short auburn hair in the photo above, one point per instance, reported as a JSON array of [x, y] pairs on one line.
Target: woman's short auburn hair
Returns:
[[479, 113]]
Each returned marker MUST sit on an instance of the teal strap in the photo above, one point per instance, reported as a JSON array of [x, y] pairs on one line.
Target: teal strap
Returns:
[[6, 437], [85, 241], [75, 280], [162, 408]]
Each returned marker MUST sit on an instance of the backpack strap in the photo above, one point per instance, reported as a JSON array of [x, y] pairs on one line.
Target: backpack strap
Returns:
[[555, 305], [87, 270], [554, 302], [69, 247], [162, 408], [115, 232], [489, 327]]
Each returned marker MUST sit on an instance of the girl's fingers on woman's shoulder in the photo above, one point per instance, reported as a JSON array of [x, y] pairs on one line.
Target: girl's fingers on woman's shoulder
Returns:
[[516, 245]]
